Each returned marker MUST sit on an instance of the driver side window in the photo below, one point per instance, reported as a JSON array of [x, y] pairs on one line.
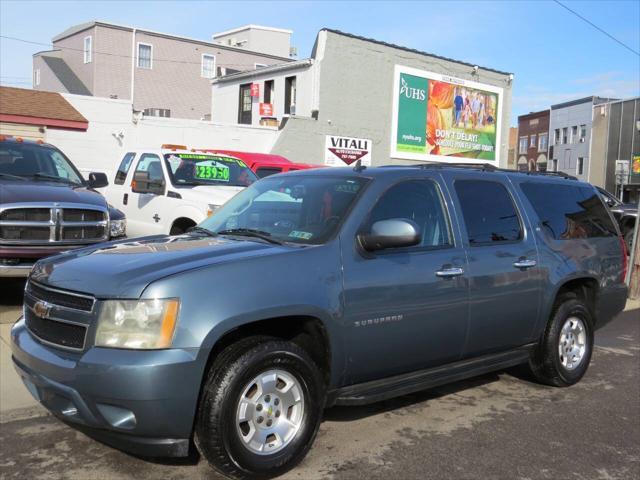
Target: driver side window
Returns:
[[421, 202]]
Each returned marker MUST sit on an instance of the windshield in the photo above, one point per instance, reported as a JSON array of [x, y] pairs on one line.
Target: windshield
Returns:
[[32, 161], [295, 209], [203, 169]]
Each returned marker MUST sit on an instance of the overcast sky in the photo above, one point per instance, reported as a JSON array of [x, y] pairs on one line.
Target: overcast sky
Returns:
[[554, 55]]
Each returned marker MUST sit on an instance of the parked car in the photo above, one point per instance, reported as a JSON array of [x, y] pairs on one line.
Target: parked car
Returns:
[[625, 214], [365, 284], [47, 207], [171, 189], [265, 164]]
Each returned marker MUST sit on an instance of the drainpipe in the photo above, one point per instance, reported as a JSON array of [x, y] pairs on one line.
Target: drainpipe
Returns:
[[133, 63]]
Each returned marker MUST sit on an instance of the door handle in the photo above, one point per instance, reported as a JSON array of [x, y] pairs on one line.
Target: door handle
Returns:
[[125, 199], [524, 263], [450, 272]]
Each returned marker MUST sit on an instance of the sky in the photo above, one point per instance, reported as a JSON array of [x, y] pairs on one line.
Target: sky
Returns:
[[554, 55]]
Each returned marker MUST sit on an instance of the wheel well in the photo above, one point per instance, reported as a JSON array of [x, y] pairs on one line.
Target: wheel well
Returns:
[[306, 332], [585, 288], [182, 223]]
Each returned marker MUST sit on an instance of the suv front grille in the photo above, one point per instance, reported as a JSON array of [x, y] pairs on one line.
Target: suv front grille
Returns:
[[61, 299], [58, 333], [47, 225]]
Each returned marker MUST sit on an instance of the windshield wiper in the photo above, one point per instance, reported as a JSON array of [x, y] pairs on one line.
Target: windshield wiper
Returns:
[[13, 177], [203, 230], [54, 178], [250, 232]]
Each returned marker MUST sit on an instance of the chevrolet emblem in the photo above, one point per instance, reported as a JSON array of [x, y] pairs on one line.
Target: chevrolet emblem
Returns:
[[41, 309]]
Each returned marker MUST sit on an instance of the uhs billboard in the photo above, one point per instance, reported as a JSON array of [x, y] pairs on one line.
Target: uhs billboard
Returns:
[[438, 117]]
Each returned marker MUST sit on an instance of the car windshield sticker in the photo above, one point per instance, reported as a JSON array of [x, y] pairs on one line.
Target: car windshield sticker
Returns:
[[212, 171], [199, 156], [302, 235]]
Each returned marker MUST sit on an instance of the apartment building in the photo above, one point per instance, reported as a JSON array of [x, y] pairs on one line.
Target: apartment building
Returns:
[[358, 98], [164, 75], [533, 141], [615, 148], [570, 125]]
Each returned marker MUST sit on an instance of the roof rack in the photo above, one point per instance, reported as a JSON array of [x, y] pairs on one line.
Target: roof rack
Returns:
[[485, 167]]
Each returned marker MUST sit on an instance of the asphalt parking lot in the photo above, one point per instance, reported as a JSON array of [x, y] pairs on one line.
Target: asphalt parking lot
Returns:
[[498, 426]]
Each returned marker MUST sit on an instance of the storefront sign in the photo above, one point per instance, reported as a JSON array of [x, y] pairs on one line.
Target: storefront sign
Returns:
[[344, 151], [266, 109], [255, 89], [635, 167], [441, 118]]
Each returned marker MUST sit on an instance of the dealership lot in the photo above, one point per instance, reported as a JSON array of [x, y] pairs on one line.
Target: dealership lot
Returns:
[[495, 426]]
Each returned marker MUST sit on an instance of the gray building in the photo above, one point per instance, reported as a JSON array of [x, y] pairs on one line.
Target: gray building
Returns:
[[165, 75], [616, 139], [570, 130], [358, 98]]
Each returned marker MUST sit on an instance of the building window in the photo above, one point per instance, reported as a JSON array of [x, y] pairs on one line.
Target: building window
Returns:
[[523, 145], [259, 65], [554, 165], [580, 165], [36, 77], [583, 133], [145, 55], [87, 49], [556, 138], [532, 143], [543, 142], [268, 91], [565, 134], [574, 134], [290, 96], [157, 112], [208, 66]]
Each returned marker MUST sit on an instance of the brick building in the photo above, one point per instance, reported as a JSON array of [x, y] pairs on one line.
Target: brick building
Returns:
[[533, 141]]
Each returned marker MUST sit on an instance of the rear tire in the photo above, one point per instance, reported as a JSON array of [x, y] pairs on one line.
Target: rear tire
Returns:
[[260, 409], [562, 357]]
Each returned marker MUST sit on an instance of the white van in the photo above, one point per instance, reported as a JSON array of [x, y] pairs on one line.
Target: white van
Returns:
[[168, 190]]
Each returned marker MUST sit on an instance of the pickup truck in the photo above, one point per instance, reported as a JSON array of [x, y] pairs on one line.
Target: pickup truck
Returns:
[[46, 207], [171, 189], [365, 284]]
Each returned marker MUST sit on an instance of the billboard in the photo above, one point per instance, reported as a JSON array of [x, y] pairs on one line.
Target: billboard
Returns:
[[441, 118]]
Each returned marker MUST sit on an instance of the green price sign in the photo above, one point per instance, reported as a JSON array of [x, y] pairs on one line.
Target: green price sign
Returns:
[[212, 172]]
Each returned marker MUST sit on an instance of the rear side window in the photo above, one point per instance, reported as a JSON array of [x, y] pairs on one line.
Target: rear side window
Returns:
[[419, 201], [488, 211], [123, 169], [266, 171], [569, 211]]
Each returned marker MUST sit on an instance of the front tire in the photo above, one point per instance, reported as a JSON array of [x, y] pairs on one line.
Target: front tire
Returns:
[[260, 409], [562, 357]]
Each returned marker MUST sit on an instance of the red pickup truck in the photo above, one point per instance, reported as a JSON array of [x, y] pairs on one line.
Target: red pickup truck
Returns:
[[265, 164]]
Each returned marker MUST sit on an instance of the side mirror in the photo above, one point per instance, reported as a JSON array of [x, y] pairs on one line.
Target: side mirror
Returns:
[[142, 184], [392, 233], [98, 180]]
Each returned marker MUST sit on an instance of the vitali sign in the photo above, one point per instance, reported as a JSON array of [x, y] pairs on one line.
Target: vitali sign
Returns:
[[438, 117], [344, 151]]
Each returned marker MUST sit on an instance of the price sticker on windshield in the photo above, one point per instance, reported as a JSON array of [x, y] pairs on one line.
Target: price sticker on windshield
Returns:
[[212, 172]]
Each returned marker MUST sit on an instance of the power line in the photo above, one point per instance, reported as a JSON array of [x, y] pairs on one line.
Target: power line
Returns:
[[183, 62], [597, 27]]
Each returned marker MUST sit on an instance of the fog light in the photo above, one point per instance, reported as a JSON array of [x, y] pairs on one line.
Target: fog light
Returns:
[[117, 416]]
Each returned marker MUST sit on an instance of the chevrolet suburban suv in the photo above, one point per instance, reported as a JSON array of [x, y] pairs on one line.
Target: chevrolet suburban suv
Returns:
[[365, 284], [171, 189], [46, 207]]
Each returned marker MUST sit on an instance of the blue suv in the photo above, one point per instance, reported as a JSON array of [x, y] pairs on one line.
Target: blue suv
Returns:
[[317, 288]]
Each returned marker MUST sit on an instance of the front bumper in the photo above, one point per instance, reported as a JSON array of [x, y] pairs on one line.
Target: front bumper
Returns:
[[143, 402]]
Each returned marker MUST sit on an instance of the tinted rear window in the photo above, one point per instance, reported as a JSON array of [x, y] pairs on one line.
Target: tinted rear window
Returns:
[[489, 213], [569, 211], [266, 171]]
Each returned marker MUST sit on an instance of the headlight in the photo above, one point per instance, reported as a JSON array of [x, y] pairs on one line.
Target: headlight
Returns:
[[137, 324], [118, 228], [212, 209]]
